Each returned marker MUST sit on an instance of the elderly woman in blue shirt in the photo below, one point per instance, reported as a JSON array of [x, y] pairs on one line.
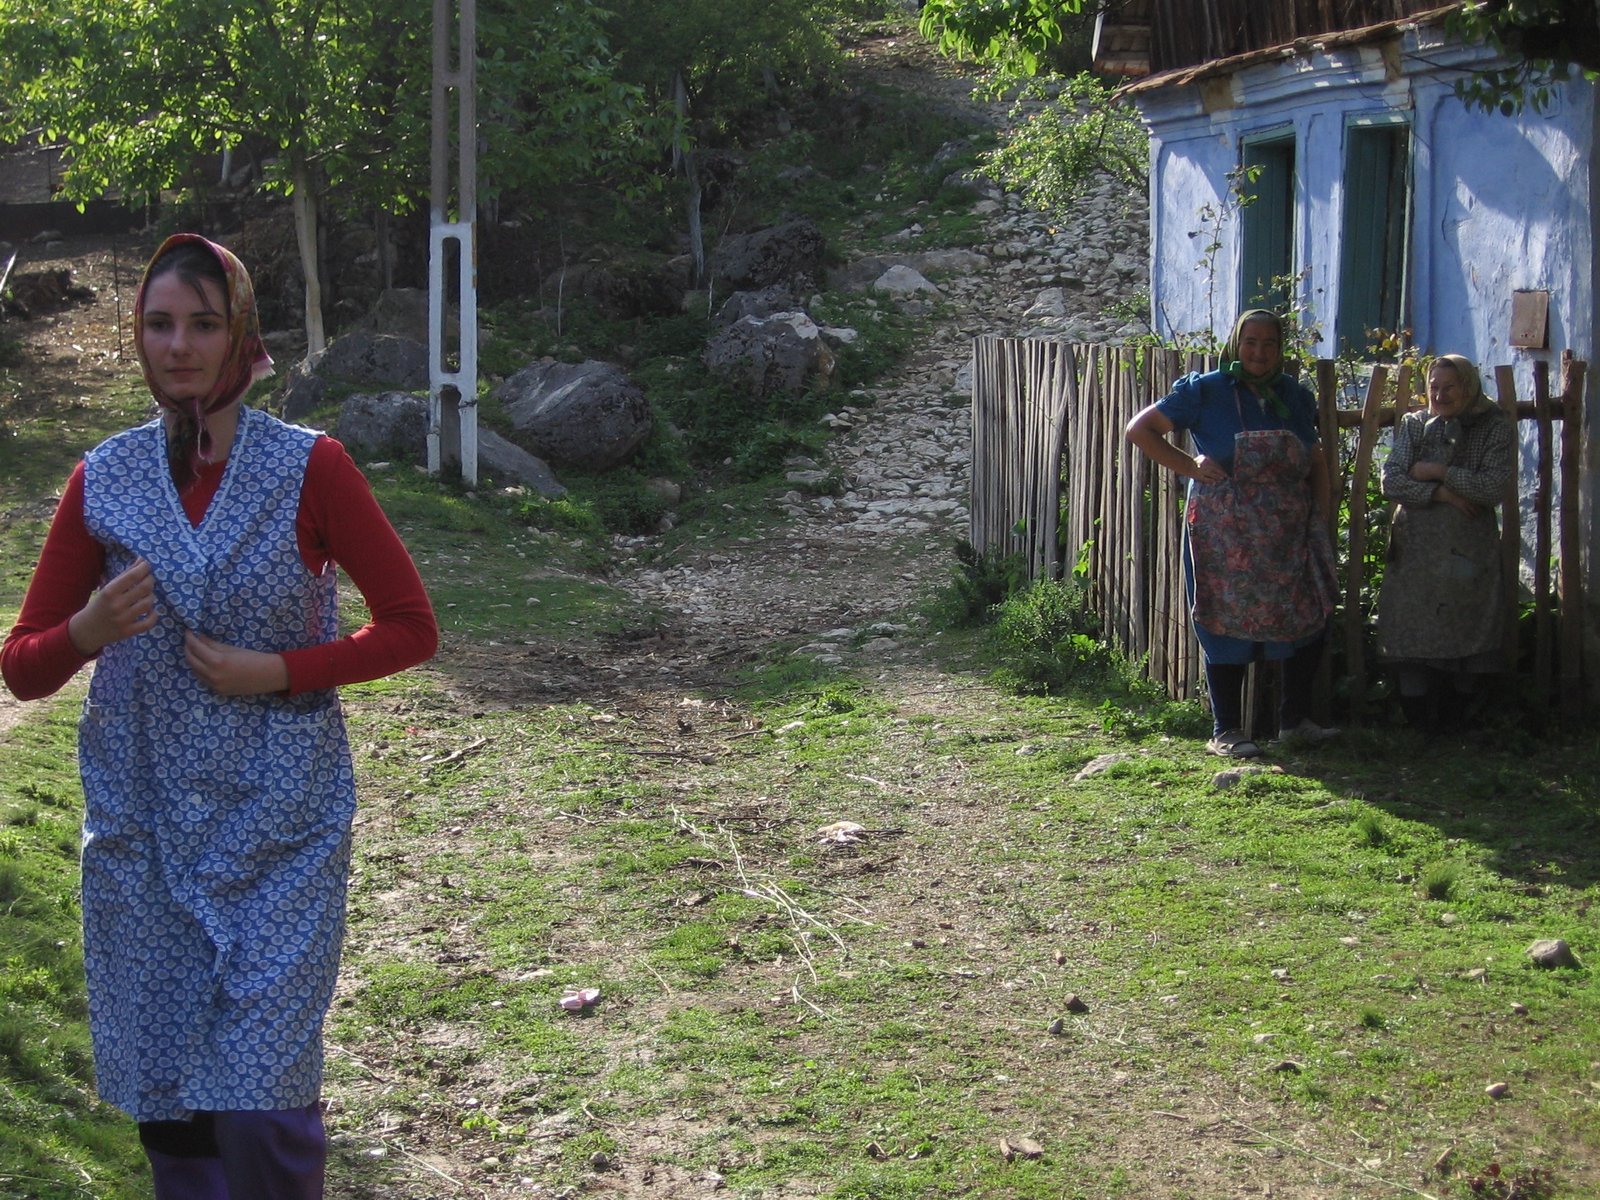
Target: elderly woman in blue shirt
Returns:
[[1258, 563]]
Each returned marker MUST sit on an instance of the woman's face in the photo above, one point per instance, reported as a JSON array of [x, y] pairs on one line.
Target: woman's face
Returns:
[[1260, 350], [1446, 395], [185, 335]]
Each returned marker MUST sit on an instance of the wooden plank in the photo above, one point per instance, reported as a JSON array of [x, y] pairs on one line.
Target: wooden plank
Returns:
[[1543, 644], [1135, 481], [1328, 440], [1571, 578], [1505, 382], [1094, 532], [1328, 434], [1356, 567], [1128, 503]]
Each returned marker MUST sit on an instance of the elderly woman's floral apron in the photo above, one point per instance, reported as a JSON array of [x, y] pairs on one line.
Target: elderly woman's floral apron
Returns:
[[1263, 564]]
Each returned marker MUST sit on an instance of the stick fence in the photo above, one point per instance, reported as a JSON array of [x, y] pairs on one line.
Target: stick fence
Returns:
[[1054, 483]]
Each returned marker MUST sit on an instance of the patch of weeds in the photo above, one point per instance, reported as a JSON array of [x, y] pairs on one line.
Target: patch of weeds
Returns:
[[885, 336], [1494, 1182], [835, 700], [567, 515], [1370, 829], [777, 681], [620, 501], [1046, 638], [693, 949], [594, 1150], [978, 583], [1123, 722], [768, 449], [1440, 879]]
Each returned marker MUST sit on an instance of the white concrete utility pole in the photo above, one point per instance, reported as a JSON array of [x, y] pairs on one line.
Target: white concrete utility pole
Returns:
[[453, 395]]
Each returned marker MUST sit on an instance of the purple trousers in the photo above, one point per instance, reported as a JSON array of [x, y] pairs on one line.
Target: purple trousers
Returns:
[[278, 1155]]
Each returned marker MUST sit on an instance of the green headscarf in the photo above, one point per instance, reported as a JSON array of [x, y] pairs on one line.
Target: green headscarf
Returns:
[[1264, 385]]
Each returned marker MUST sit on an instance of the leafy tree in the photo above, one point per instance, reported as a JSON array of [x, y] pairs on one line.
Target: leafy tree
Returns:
[[333, 98], [1067, 129], [1015, 35], [554, 111], [143, 90], [1546, 40], [706, 64]]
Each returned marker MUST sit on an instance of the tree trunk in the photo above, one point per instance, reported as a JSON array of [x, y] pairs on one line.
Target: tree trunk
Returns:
[[683, 159], [305, 228]]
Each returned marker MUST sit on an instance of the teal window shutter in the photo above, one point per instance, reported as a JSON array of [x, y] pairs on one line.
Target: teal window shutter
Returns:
[[1266, 223], [1377, 206]]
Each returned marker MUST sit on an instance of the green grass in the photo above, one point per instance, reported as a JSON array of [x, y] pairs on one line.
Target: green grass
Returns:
[[56, 1140], [873, 1017]]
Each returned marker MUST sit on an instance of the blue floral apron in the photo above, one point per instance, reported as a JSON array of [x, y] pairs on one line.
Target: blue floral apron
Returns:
[[216, 829]]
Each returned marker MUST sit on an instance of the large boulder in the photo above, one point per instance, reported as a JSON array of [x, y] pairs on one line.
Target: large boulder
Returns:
[[784, 353], [361, 359], [863, 273], [388, 425], [636, 289], [304, 391], [394, 426], [403, 313], [790, 253], [588, 415], [376, 359], [507, 462], [901, 282], [762, 303]]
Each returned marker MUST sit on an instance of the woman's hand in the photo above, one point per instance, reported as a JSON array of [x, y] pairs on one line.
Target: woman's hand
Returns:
[[1457, 501], [1428, 472], [1206, 470], [1148, 432], [122, 608], [231, 671]]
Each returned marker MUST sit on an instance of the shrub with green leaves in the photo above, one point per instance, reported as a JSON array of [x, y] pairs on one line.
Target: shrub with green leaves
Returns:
[[978, 582], [1047, 638]]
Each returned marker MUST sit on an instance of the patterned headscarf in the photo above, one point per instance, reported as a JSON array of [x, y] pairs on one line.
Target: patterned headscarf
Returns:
[[247, 359], [1471, 383], [1264, 385]]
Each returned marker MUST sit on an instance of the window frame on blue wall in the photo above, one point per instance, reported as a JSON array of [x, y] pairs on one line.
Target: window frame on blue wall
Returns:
[[1374, 285], [1267, 211]]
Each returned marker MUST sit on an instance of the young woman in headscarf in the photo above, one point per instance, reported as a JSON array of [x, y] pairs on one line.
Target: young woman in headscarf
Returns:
[[1258, 563], [1442, 607], [193, 560]]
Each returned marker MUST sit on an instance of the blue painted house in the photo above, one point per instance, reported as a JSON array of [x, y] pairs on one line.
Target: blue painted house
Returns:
[[1314, 154]]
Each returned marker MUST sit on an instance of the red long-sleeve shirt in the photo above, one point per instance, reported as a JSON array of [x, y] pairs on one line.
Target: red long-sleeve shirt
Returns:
[[339, 521]]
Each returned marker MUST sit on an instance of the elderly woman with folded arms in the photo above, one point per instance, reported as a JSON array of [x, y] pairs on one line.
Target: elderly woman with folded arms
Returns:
[[1442, 607]]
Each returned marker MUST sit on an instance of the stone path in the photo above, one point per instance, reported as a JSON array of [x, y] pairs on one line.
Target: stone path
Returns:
[[843, 570]]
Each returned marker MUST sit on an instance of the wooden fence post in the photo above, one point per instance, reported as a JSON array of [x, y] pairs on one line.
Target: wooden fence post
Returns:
[[1542, 649], [1505, 382], [1355, 660], [1571, 579]]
